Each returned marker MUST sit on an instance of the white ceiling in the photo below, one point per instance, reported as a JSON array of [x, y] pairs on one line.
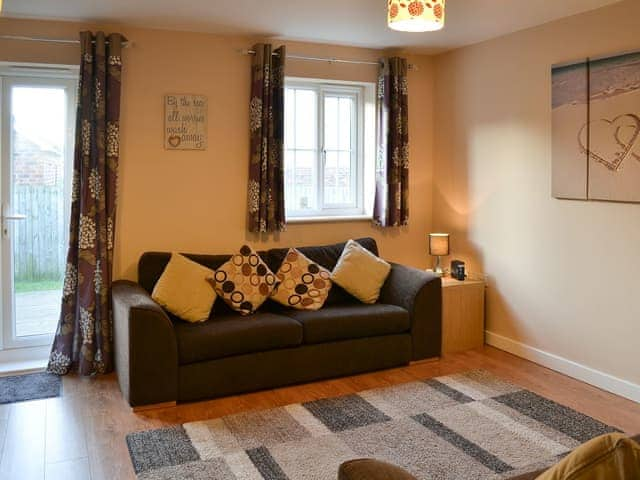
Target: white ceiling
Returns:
[[347, 22]]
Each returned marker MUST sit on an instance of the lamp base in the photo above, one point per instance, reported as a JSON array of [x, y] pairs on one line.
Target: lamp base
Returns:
[[437, 270]]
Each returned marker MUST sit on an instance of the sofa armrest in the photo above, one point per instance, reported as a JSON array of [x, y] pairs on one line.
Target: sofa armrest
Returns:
[[420, 293], [146, 353]]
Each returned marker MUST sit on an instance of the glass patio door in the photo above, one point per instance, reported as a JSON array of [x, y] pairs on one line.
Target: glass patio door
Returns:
[[37, 148]]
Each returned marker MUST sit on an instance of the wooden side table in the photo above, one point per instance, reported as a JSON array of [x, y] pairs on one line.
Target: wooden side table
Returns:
[[462, 314]]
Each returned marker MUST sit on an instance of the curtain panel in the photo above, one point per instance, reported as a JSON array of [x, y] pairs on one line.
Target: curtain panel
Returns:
[[391, 207], [84, 336], [266, 164]]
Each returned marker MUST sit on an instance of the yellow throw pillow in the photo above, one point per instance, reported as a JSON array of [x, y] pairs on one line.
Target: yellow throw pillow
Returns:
[[304, 285], [607, 457], [184, 289], [360, 272]]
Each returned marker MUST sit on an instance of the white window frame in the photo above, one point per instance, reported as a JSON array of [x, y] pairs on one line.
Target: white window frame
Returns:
[[361, 156], [16, 74]]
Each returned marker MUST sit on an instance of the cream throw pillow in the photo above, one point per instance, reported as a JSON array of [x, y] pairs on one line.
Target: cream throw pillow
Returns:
[[360, 272], [184, 290]]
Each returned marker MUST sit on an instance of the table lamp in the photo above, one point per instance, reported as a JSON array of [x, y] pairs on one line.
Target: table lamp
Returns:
[[438, 246]]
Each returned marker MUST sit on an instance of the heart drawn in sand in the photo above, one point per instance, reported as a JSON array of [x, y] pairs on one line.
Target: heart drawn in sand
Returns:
[[626, 135], [174, 140], [610, 141]]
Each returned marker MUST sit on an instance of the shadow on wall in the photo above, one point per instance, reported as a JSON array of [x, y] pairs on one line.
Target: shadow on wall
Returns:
[[454, 213]]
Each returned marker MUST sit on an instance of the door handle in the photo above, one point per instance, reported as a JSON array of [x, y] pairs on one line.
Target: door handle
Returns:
[[13, 217]]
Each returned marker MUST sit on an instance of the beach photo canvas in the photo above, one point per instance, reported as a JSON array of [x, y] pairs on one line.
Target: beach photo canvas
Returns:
[[570, 111], [614, 128], [596, 129]]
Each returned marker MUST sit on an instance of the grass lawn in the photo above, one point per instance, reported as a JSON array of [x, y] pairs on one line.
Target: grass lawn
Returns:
[[37, 286]]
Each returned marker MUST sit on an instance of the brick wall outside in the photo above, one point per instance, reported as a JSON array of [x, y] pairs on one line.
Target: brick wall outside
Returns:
[[33, 165]]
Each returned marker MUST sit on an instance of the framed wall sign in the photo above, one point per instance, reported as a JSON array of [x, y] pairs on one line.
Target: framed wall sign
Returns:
[[185, 122]]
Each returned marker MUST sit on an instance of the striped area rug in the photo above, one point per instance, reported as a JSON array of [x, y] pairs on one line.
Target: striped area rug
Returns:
[[465, 426]]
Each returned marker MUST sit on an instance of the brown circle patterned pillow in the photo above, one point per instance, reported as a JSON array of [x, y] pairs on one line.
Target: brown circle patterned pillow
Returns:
[[304, 285], [244, 282]]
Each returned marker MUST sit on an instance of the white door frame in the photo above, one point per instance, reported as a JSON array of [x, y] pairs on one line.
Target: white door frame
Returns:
[[28, 75]]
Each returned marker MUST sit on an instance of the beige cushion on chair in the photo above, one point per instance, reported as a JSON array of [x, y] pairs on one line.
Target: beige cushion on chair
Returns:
[[360, 272], [607, 457], [184, 289]]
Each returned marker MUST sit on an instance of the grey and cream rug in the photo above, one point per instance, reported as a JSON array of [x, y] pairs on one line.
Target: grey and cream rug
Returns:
[[31, 386], [466, 426]]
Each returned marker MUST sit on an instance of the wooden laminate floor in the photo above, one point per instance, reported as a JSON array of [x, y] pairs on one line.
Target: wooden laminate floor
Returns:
[[81, 435]]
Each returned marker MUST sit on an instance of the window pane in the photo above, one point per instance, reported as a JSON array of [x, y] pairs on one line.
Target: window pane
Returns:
[[338, 179], [289, 118], [331, 123], [305, 119], [346, 107], [38, 144], [300, 180], [344, 176], [338, 175], [289, 178], [330, 178]]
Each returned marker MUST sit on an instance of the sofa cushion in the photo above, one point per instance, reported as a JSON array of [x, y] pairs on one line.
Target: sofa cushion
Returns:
[[343, 322], [360, 272], [535, 474], [326, 256], [152, 264], [371, 469], [608, 456], [235, 335], [244, 282], [304, 285], [183, 289]]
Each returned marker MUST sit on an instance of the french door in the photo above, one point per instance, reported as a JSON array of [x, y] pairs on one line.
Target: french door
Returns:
[[36, 146]]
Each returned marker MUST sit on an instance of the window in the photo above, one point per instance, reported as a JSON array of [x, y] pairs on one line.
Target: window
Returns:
[[324, 149], [37, 114]]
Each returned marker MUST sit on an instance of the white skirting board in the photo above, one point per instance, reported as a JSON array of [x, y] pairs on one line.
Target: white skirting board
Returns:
[[599, 379]]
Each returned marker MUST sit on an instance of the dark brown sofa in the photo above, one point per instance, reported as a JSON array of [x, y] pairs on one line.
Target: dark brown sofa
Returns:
[[162, 359]]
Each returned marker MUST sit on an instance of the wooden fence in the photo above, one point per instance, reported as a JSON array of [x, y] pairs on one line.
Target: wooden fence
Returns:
[[39, 240]]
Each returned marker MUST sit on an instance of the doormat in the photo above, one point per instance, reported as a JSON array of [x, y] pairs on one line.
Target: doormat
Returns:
[[31, 386]]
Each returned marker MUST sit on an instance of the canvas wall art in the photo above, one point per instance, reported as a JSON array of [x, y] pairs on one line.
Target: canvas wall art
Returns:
[[185, 122], [596, 129]]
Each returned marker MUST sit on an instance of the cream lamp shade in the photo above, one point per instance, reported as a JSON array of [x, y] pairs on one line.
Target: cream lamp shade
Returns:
[[438, 244], [415, 15]]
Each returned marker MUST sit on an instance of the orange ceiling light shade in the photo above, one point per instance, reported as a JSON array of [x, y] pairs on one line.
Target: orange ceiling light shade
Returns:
[[415, 15]]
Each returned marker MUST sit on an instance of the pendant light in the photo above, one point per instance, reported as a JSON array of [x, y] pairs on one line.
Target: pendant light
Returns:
[[415, 15]]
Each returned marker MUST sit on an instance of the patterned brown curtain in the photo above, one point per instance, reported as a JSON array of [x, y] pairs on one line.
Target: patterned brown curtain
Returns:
[[266, 172], [84, 338], [391, 208]]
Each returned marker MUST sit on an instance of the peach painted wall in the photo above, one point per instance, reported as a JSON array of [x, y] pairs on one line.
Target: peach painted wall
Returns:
[[196, 201], [563, 275]]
